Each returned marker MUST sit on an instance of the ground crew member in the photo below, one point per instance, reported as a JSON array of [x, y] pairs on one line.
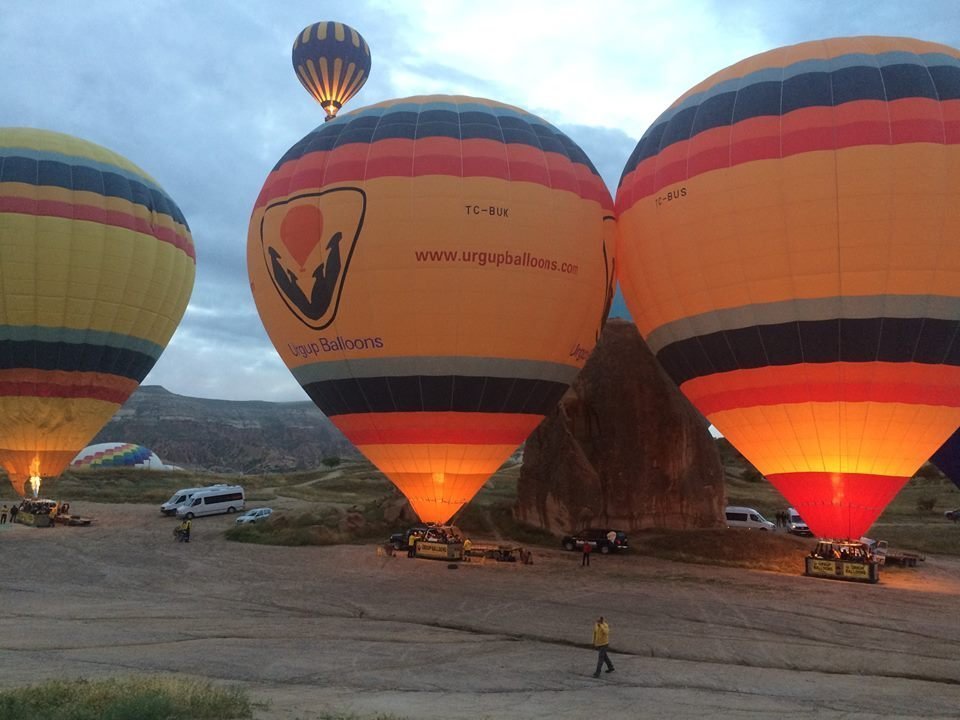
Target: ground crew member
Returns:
[[412, 545], [185, 529], [3, 515], [587, 549], [601, 638]]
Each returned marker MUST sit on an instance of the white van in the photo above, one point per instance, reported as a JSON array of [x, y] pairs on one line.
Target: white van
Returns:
[[183, 496], [212, 501], [744, 517], [178, 499], [795, 524]]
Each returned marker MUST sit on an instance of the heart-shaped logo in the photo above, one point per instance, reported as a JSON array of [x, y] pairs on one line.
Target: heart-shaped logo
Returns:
[[301, 231]]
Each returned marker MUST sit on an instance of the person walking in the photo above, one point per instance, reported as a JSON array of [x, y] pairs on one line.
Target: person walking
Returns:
[[601, 639], [587, 549], [14, 509], [3, 515]]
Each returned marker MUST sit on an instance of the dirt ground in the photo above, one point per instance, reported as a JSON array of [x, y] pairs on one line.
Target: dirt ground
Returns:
[[309, 630]]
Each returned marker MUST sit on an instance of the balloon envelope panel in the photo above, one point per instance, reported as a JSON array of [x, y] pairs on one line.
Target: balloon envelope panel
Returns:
[[96, 268], [332, 61], [791, 252], [434, 271]]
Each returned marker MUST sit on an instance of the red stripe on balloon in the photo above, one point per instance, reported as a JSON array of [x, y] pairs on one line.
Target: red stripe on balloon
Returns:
[[854, 124], [433, 156], [910, 383], [114, 218], [837, 505], [436, 428]]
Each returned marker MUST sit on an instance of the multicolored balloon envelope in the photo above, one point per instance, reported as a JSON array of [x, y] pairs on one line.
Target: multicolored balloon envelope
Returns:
[[434, 271], [791, 252], [96, 268], [332, 61]]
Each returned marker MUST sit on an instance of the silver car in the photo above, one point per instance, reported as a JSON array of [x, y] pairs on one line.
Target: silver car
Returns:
[[254, 516]]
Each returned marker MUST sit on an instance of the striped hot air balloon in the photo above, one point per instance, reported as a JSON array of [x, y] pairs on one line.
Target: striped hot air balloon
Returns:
[[434, 271], [332, 61], [791, 252], [96, 268], [117, 454]]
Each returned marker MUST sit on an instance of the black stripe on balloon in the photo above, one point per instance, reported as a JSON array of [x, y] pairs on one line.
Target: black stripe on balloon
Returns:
[[74, 357], [918, 340], [431, 393], [814, 89], [468, 125], [51, 173]]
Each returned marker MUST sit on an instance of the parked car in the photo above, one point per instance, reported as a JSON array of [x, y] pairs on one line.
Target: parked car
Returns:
[[953, 514], [605, 540], [745, 517], [254, 516], [796, 525]]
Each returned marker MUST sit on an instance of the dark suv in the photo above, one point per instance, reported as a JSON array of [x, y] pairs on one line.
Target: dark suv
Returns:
[[603, 539], [401, 540]]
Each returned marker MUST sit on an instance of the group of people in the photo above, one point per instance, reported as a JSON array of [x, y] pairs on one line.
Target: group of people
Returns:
[[33, 507], [782, 519]]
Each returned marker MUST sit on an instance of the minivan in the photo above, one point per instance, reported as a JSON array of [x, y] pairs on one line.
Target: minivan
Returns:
[[182, 496], [745, 517], [178, 499], [212, 501], [795, 524]]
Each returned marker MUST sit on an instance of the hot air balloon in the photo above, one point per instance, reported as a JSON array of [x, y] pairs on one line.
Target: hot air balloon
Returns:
[[791, 252], [332, 61], [117, 454], [97, 266], [434, 271]]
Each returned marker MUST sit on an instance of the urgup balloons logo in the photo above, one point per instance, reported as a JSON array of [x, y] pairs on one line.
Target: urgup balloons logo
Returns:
[[317, 234]]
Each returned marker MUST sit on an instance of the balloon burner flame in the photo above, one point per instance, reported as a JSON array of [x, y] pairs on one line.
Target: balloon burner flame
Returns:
[[35, 485]]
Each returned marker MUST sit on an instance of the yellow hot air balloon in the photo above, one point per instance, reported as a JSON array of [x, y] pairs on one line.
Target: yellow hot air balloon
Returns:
[[791, 253], [434, 271], [96, 268]]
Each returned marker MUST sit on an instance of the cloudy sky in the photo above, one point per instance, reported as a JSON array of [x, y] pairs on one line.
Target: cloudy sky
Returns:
[[202, 96]]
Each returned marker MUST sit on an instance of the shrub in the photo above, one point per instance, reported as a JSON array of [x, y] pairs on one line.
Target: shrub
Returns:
[[331, 462]]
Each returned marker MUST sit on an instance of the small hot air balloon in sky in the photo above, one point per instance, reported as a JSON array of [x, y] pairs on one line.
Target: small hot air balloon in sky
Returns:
[[434, 271], [96, 268], [332, 61], [790, 251]]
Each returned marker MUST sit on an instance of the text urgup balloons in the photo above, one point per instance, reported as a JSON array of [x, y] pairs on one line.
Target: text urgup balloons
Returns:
[[97, 266], [332, 61], [791, 252], [434, 271]]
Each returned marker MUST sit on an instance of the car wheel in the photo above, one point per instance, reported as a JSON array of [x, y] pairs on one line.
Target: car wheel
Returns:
[[189, 516], [764, 529], [231, 510], [568, 545], [604, 549]]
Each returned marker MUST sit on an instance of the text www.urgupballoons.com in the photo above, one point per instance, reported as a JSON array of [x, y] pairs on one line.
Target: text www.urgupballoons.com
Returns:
[[484, 258]]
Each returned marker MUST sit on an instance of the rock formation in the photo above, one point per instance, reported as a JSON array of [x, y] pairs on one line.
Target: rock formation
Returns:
[[623, 449], [227, 435]]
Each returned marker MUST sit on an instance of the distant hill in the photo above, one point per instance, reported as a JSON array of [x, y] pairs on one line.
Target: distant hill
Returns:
[[226, 435]]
